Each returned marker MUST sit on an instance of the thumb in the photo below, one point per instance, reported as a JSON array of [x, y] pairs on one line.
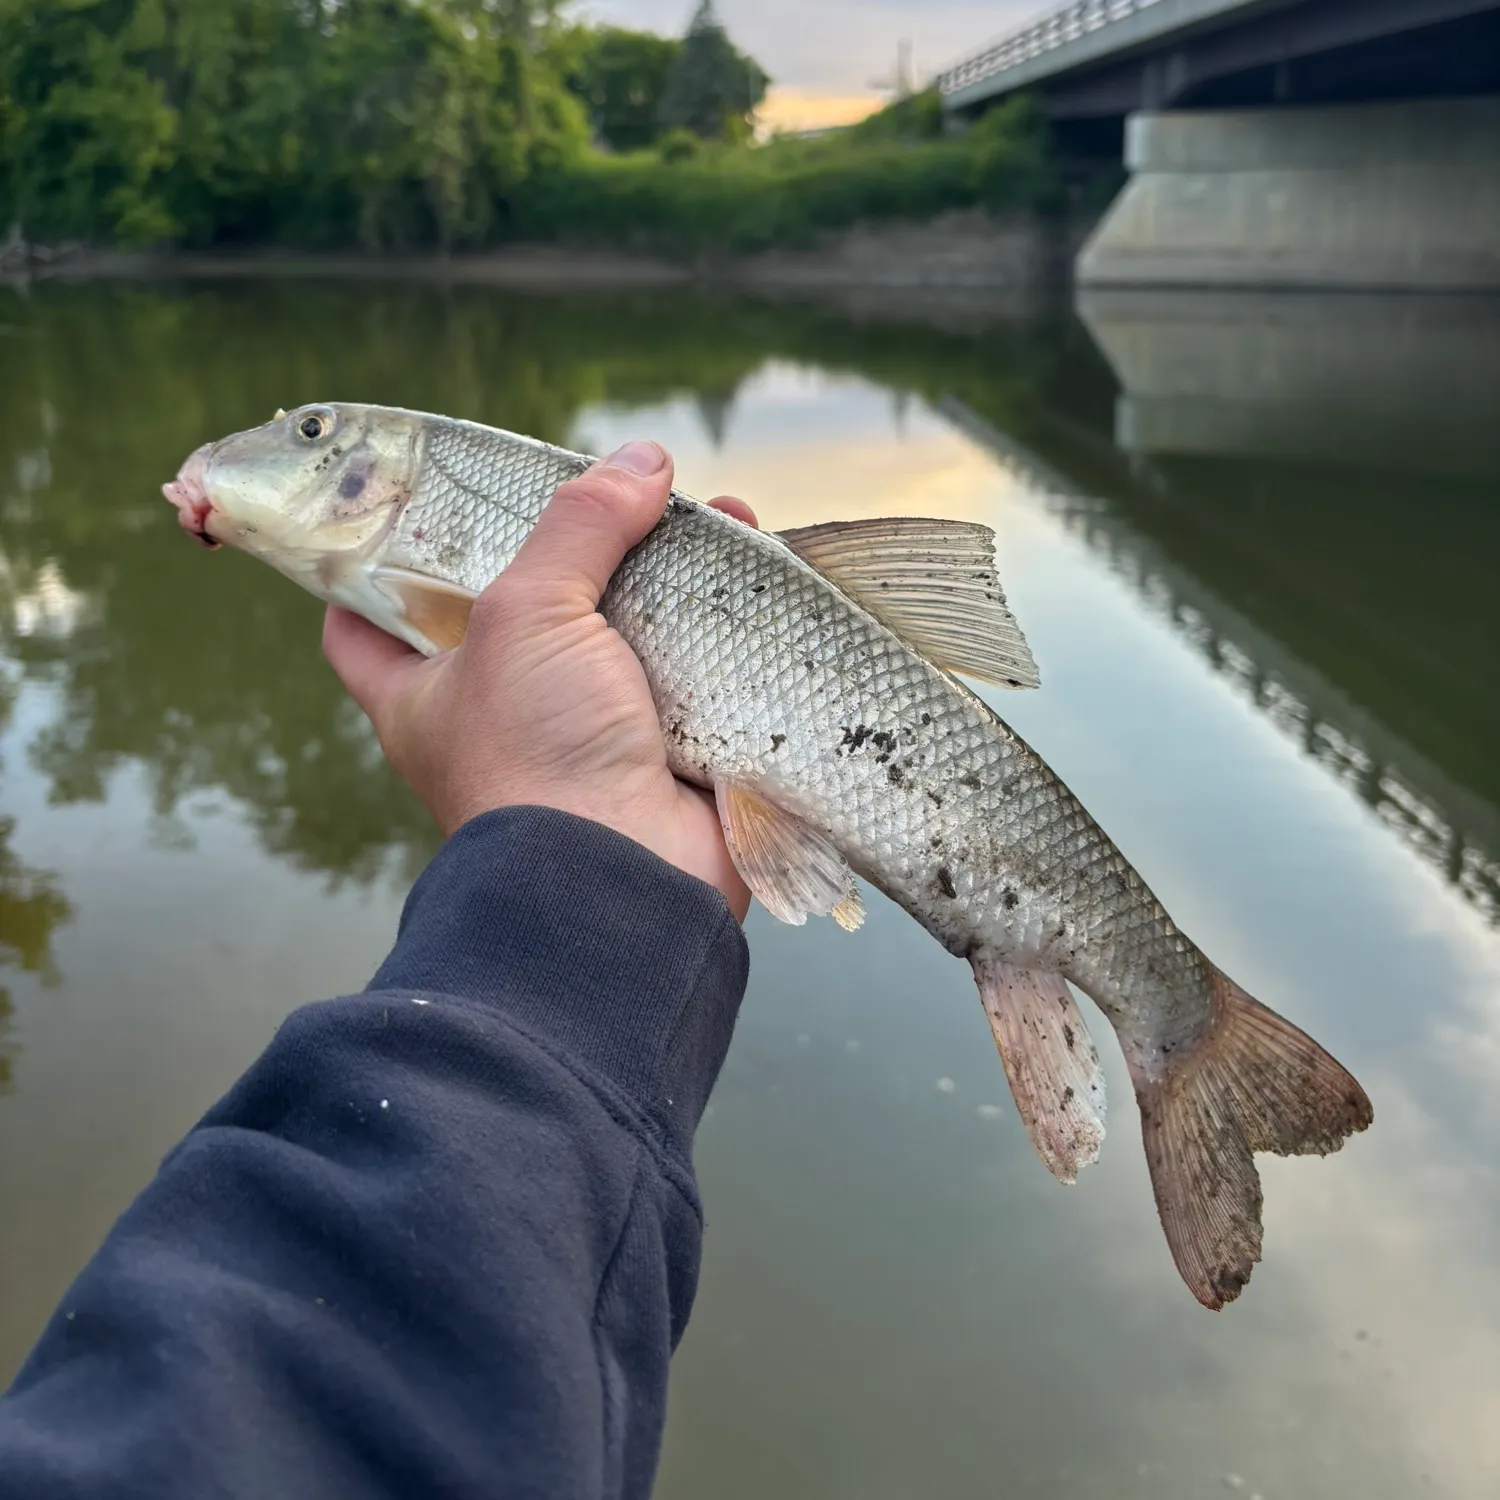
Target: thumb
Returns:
[[591, 523]]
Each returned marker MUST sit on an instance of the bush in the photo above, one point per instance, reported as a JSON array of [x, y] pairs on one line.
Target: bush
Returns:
[[678, 145], [917, 118], [1013, 159], [740, 200]]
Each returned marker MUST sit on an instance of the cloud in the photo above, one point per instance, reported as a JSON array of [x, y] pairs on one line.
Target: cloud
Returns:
[[834, 47]]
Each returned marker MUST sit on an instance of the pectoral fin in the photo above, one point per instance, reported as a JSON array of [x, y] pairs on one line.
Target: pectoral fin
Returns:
[[791, 868], [440, 611], [933, 583], [1050, 1060]]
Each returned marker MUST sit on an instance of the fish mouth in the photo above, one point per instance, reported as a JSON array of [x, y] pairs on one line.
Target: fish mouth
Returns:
[[189, 493]]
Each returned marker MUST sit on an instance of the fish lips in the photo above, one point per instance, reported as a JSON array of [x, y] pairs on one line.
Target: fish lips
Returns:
[[189, 493]]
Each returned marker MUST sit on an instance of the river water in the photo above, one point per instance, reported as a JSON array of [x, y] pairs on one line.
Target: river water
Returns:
[[1254, 544]]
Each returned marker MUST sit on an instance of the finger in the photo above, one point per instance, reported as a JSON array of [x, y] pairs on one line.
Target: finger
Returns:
[[372, 664], [592, 522], [736, 508]]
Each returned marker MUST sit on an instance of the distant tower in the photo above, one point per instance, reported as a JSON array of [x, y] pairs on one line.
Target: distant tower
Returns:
[[903, 83]]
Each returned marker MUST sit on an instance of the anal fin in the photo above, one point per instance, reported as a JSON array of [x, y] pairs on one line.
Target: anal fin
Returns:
[[1050, 1059], [439, 611], [791, 868]]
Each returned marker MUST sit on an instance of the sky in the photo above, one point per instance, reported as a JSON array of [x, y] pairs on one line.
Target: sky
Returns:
[[824, 55]]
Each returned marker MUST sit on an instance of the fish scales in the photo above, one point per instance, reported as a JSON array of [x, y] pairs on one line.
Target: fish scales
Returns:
[[478, 494], [808, 680], [747, 649]]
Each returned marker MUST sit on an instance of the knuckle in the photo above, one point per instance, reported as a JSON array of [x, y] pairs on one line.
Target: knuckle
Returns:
[[597, 486]]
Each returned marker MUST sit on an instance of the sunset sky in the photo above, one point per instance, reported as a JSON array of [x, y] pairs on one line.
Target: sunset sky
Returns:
[[824, 55]]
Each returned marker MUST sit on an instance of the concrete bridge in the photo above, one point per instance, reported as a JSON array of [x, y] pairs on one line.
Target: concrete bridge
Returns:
[[1273, 143]]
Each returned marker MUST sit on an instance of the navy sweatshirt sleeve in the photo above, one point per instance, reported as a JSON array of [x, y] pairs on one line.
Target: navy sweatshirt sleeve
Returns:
[[443, 1237]]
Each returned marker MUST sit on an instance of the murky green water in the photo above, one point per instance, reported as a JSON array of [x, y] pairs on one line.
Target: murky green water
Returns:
[[1254, 544]]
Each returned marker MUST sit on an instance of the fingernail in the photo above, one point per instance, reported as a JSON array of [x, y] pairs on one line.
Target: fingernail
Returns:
[[640, 458]]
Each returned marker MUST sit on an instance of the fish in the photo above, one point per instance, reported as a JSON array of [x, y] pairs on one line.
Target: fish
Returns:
[[813, 681]]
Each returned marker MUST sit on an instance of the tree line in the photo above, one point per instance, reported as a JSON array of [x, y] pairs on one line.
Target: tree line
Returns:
[[379, 123]]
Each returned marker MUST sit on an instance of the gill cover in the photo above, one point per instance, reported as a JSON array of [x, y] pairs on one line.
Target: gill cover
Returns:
[[320, 482]]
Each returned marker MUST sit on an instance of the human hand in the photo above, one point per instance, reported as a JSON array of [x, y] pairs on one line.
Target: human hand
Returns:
[[543, 704]]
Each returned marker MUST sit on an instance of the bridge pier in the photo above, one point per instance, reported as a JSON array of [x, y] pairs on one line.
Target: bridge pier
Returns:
[[1397, 195]]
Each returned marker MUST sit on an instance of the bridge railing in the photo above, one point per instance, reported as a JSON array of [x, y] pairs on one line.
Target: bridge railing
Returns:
[[1041, 36]]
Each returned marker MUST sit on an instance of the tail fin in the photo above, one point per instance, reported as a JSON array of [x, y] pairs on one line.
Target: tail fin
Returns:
[[1254, 1083]]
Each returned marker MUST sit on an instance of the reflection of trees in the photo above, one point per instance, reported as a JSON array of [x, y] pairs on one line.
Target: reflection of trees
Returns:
[[205, 670], [31, 908]]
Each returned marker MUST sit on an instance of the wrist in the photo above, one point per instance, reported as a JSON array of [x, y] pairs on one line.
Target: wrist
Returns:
[[586, 939]]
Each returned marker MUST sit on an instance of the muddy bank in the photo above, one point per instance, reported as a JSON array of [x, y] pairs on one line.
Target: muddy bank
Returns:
[[957, 253]]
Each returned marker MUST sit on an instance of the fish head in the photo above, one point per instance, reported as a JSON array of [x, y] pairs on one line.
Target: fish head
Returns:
[[311, 492]]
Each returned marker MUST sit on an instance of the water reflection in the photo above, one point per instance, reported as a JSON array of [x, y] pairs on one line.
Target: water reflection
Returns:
[[1440, 819], [897, 1300], [163, 661], [1375, 582], [1353, 601], [32, 907], [1328, 467], [1355, 383]]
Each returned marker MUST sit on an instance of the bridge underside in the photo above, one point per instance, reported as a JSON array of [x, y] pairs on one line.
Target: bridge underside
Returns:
[[1298, 52]]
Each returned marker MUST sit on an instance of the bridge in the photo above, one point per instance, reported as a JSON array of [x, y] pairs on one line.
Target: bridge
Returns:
[[1272, 143]]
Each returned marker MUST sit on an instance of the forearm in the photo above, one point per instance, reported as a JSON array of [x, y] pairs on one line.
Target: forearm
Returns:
[[443, 1237]]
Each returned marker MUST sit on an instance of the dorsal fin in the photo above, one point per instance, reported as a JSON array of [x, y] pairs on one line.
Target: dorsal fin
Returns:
[[933, 583]]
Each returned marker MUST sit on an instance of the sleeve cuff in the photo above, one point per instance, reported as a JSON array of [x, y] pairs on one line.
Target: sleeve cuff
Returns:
[[590, 942]]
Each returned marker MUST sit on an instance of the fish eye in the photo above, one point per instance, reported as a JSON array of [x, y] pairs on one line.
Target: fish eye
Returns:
[[315, 425]]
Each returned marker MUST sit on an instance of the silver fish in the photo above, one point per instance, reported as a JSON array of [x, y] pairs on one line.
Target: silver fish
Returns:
[[809, 679]]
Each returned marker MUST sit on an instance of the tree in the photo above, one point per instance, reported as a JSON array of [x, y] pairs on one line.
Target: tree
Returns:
[[713, 88], [386, 122], [622, 78]]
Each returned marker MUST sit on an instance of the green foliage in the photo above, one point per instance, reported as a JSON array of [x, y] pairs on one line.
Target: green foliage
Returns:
[[381, 122], [622, 77], [450, 124], [679, 145], [918, 117], [713, 88], [740, 200], [1014, 164]]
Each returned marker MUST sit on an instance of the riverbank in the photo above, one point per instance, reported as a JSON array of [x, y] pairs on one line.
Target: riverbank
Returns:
[[962, 256]]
